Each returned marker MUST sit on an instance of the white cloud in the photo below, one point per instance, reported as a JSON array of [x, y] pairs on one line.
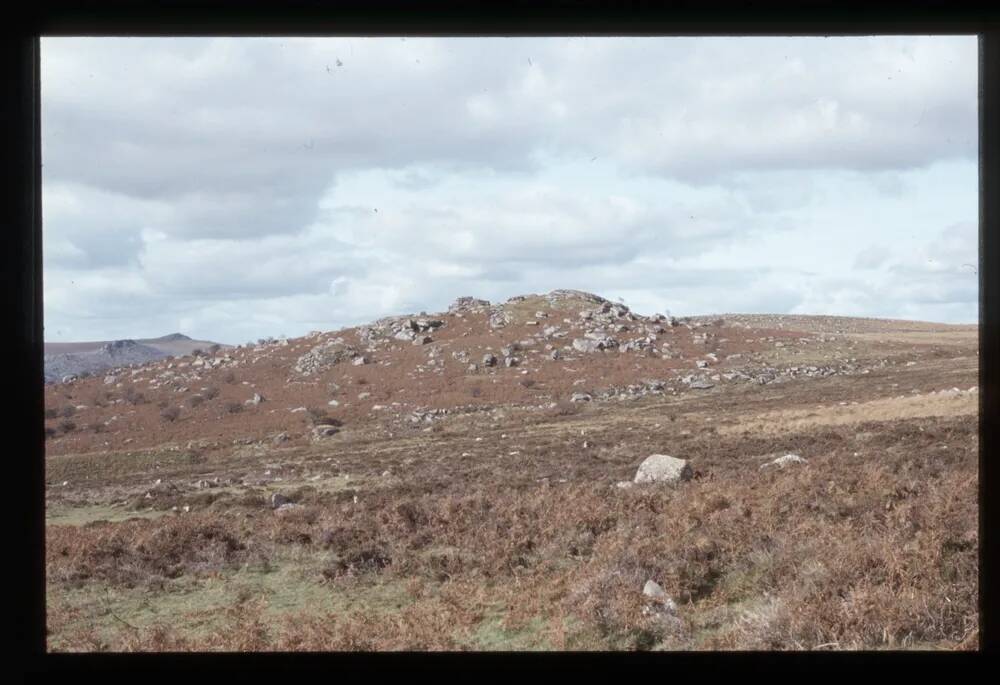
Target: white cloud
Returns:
[[241, 185]]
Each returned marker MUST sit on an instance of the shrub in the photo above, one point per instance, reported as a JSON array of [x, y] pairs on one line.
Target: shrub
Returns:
[[564, 408], [234, 407], [67, 426], [51, 413], [210, 393], [170, 414], [196, 352], [67, 411], [97, 427], [214, 348], [133, 397], [195, 401], [362, 381], [229, 377], [49, 432], [527, 382], [475, 391]]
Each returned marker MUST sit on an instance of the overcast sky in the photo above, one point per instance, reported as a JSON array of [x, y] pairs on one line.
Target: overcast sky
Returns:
[[236, 188]]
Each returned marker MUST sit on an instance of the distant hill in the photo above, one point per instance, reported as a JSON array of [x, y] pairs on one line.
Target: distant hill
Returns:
[[67, 359]]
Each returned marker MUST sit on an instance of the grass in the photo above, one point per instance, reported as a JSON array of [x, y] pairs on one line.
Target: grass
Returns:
[[871, 545]]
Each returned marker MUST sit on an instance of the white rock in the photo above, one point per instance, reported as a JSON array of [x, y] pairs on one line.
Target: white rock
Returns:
[[653, 590], [782, 462], [662, 468]]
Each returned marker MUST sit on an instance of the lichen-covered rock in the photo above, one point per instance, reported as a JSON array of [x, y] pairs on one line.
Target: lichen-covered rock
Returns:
[[662, 468]]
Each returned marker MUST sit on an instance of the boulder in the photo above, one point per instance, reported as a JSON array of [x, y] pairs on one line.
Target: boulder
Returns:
[[662, 468], [657, 594], [584, 345]]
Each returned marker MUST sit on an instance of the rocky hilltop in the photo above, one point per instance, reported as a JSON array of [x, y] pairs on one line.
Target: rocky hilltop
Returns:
[[531, 352]]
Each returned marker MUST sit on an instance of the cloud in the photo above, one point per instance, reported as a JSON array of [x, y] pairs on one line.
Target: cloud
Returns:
[[241, 185], [872, 257]]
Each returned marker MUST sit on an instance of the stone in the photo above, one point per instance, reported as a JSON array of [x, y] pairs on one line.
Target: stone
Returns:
[[584, 345], [280, 438], [662, 468], [324, 431], [510, 361], [287, 508], [360, 361], [580, 397], [277, 500], [489, 359], [787, 460], [701, 384], [653, 591]]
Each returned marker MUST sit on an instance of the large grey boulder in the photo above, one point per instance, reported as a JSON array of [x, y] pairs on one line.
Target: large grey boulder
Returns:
[[662, 468]]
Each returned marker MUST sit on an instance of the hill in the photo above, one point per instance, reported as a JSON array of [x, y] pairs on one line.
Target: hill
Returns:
[[74, 359], [468, 480]]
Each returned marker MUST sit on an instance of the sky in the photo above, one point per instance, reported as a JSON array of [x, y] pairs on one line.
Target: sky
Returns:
[[238, 188]]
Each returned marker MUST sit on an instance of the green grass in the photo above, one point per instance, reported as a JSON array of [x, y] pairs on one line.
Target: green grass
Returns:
[[195, 607]]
